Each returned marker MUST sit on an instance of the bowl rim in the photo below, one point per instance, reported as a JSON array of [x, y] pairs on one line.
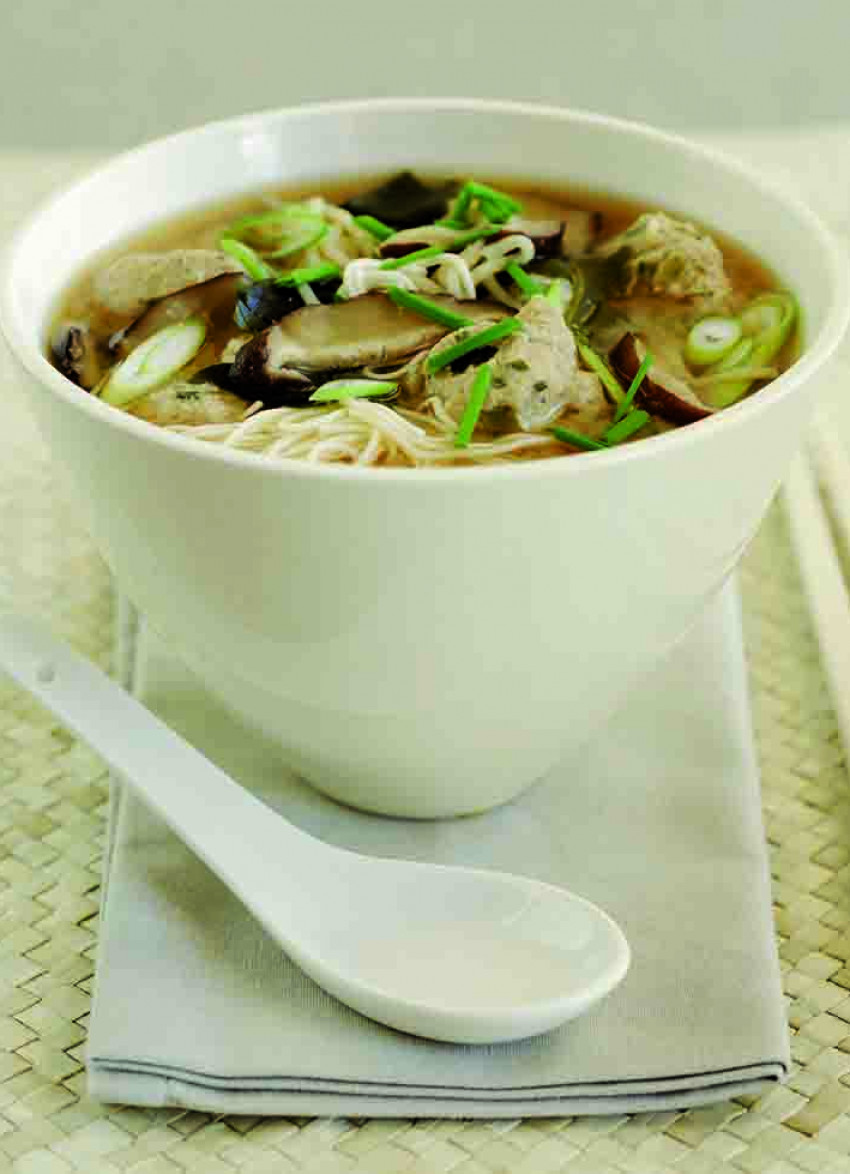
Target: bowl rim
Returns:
[[816, 354]]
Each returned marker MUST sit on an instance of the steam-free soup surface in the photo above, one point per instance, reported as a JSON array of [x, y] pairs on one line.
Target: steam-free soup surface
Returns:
[[410, 321]]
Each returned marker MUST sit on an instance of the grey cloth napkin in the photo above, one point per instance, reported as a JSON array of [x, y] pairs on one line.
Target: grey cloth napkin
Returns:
[[659, 822]]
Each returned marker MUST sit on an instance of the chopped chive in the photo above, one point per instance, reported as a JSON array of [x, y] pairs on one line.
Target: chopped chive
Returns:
[[412, 258], [622, 430], [342, 389], [376, 228], [313, 273], [467, 238], [251, 262], [477, 396], [490, 334], [505, 205], [576, 439], [412, 301], [625, 405], [496, 206], [461, 206], [598, 365], [528, 285]]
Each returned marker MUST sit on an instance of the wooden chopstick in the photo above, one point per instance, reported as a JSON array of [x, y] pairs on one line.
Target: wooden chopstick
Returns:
[[823, 578]]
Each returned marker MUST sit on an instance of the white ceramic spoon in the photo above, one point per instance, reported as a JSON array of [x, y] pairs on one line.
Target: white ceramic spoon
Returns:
[[456, 954]]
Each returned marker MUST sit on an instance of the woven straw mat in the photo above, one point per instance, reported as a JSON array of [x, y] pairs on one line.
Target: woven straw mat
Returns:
[[53, 794]]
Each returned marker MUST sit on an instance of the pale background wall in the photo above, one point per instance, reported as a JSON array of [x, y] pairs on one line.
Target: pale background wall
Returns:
[[103, 74]]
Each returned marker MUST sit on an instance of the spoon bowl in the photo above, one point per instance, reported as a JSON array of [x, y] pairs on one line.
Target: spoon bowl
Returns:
[[449, 953]]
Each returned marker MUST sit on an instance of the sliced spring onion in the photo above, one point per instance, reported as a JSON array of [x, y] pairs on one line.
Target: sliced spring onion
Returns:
[[555, 294], [578, 287], [741, 355], [621, 430], [528, 285], [288, 229], [768, 322], [482, 338], [379, 230], [625, 406], [412, 301], [305, 292], [412, 258], [711, 339], [341, 389], [598, 365], [154, 361], [474, 405], [575, 439], [251, 262], [767, 313], [311, 273]]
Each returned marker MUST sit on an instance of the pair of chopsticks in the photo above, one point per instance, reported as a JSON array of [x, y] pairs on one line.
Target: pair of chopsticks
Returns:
[[820, 478]]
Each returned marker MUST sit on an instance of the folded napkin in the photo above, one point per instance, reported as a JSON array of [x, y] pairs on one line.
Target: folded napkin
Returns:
[[658, 822]]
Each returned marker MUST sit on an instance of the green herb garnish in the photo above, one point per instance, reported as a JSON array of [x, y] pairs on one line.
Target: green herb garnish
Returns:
[[474, 405], [312, 273], [474, 234], [452, 246], [251, 262], [555, 294], [598, 365], [342, 389], [625, 406], [528, 285], [284, 230], [154, 361], [768, 322], [376, 228], [496, 206], [420, 305], [412, 258], [626, 427], [576, 439], [482, 338]]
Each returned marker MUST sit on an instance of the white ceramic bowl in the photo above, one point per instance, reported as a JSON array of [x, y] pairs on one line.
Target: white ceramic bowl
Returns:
[[422, 642]]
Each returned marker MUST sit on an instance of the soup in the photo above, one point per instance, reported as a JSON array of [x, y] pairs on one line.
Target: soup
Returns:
[[424, 322]]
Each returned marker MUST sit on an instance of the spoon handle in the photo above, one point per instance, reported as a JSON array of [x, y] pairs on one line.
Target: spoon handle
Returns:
[[236, 835]]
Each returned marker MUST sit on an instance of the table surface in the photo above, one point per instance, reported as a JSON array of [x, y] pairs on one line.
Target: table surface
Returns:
[[53, 794]]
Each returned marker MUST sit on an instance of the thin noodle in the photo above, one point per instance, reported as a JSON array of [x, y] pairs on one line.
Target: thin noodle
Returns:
[[360, 432]]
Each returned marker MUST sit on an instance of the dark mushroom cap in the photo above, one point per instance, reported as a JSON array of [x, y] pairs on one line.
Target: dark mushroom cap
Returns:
[[291, 358], [75, 354], [214, 299], [660, 393]]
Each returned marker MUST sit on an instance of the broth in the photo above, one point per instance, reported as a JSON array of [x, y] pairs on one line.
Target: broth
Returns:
[[347, 360]]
